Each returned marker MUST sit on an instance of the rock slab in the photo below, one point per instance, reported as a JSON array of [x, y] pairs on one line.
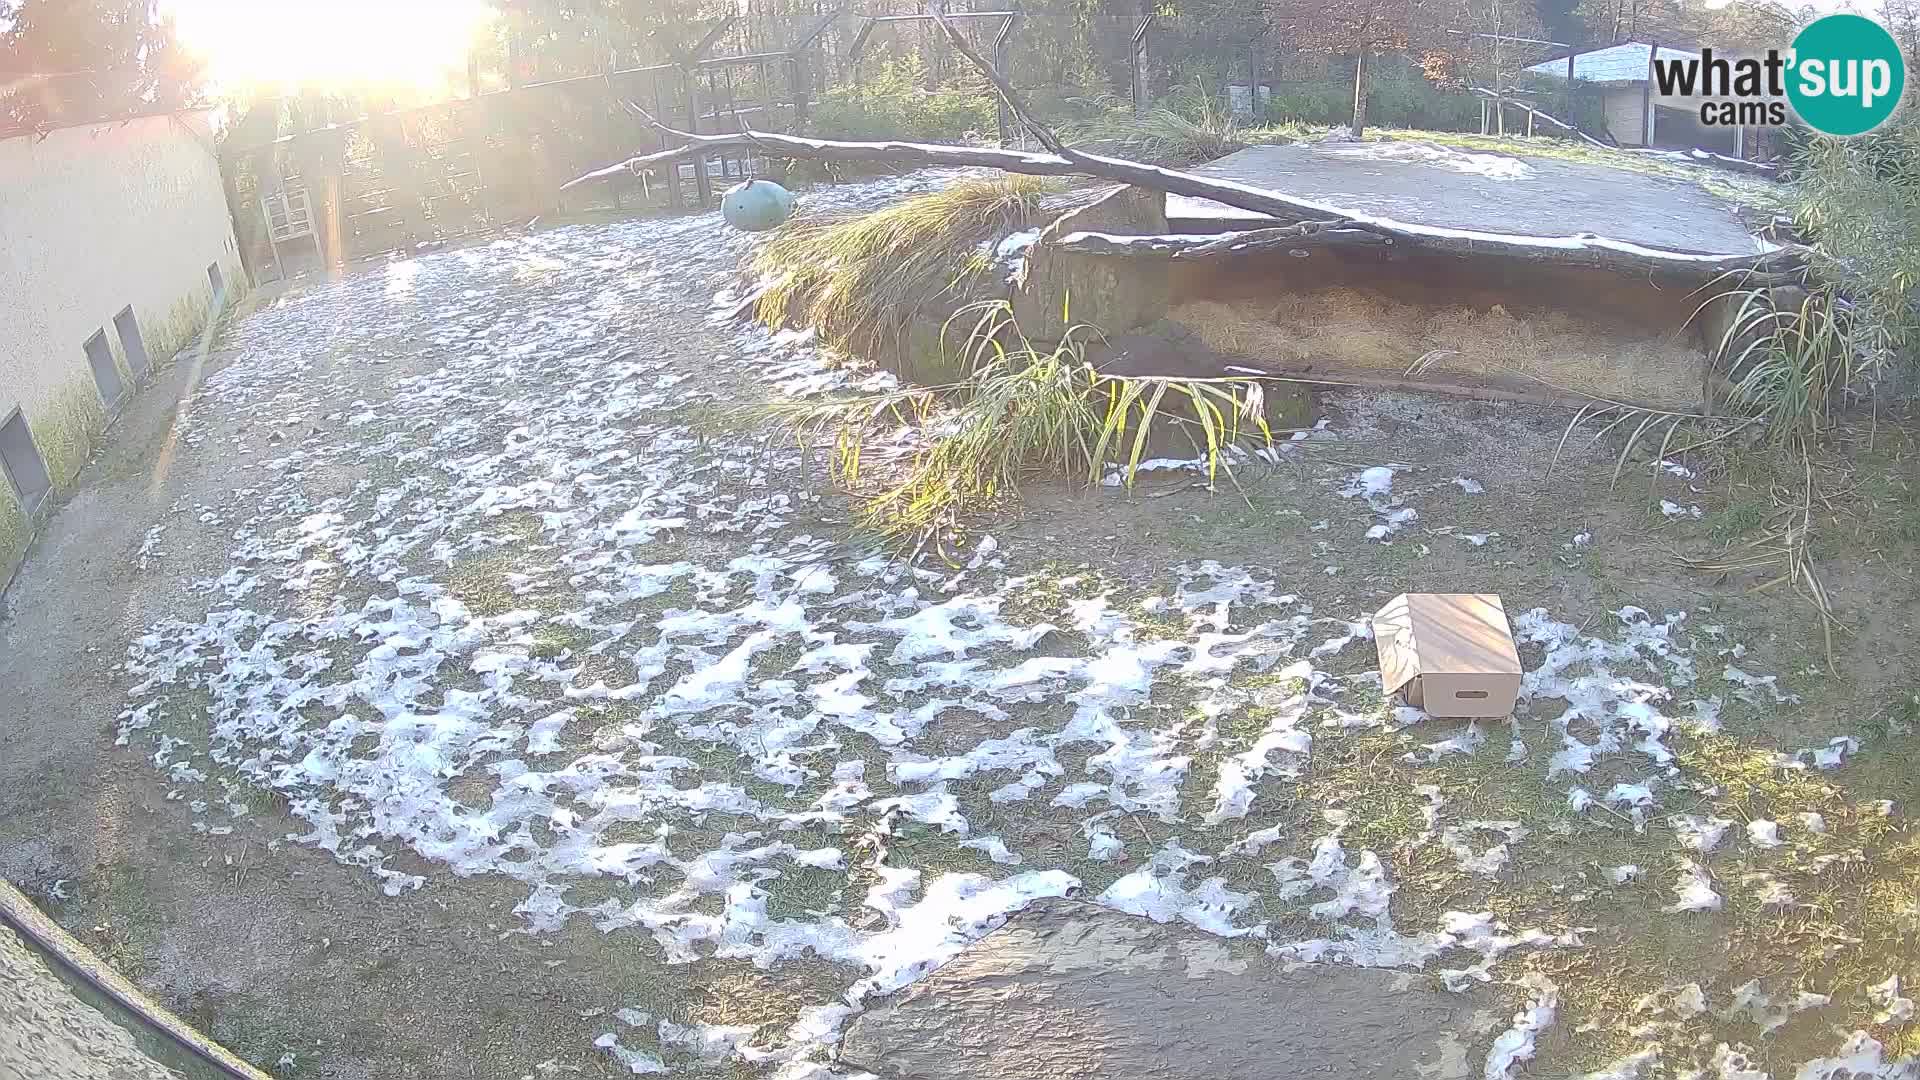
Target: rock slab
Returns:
[[1069, 990]]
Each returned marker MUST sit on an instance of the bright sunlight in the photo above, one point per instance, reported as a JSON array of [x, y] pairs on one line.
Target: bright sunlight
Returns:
[[414, 44]]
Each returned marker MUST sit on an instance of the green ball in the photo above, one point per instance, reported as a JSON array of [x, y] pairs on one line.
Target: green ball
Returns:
[[756, 206]]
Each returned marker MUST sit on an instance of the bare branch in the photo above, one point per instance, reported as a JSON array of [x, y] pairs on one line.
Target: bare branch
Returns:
[[1015, 102]]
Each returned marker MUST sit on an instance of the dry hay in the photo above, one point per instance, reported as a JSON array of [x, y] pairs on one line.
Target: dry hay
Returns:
[[1370, 334]]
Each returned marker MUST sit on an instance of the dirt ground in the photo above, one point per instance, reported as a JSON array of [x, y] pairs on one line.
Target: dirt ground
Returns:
[[521, 425]]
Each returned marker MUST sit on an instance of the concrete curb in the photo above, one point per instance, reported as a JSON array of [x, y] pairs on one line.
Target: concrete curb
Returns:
[[160, 1034]]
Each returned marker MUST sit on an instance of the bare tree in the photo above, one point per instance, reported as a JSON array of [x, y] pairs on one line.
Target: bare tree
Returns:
[[1363, 27]]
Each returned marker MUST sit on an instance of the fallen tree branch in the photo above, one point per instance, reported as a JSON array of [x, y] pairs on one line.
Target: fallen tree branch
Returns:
[[1511, 102], [1016, 104], [1190, 247], [1697, 156], [917, 155], [1073, 163], [1582, 250]]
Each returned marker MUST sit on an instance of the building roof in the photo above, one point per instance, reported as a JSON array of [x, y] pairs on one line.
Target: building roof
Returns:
[[1623, 63], [42, 130]]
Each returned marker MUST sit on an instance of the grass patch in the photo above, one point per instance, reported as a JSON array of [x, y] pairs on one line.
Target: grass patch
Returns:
[[860, 281], [481, 584], [935, 852], [1025, 410], [804, 892], [1747, 512], [1193, 128], [1048, 591], [1749, 191], [550, 642]]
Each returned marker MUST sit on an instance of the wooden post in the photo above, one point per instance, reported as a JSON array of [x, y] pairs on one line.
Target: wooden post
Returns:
[[1566, 99], [1253, 83], [702, 187], [1646, 96], [334, 254], [673, 170], [1138, 64], [767, 96], [800, 78], [1003, 117]]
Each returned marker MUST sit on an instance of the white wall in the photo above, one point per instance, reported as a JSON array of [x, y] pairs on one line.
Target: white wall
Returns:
[[1624, 107], [94, 218]]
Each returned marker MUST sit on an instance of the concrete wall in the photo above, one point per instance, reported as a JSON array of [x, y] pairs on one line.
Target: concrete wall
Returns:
[[1625, 110], [94, 218]]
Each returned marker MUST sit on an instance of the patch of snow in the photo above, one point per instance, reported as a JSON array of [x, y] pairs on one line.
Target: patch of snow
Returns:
[[1517, 1043], [1694, 889]]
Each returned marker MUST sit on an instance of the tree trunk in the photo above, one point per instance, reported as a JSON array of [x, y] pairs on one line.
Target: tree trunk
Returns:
[[1359, 92]]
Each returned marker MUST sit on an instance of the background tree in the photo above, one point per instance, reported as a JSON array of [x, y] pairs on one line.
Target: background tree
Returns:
[[1562, 20], [1903, 19], [1361, 28], [63, 61]]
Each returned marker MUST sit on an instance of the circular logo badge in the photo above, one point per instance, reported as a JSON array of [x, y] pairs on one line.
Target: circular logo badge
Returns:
[[1847, 75]]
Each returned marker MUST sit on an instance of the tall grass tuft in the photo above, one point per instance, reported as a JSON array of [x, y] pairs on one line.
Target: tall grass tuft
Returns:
[[1790, 366], [1026, 410], [861, 280]]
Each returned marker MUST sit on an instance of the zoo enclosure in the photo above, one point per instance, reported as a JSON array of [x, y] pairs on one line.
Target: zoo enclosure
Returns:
[[385, 179]]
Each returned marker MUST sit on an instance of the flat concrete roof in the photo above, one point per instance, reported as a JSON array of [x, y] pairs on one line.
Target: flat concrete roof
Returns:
[[1429, 184], [1622, 63]]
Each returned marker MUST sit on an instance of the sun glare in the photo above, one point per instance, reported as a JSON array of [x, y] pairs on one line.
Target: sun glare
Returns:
[[332, 44]]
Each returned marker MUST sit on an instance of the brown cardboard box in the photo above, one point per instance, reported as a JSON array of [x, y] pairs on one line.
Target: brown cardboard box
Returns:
[[1452, 652]]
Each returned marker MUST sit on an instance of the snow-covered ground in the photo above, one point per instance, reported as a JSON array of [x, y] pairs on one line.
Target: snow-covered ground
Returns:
[[553, 629]]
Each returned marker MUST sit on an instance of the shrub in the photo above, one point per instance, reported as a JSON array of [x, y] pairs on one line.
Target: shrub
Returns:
[[1185, 129], [1395, 99], [1859, 200], [894, 104]]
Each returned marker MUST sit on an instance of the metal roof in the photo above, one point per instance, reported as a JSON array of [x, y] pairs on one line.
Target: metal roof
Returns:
[[1623, 63]]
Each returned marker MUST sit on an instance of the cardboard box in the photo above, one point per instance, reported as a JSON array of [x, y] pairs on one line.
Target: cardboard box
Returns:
[[1452, 653]]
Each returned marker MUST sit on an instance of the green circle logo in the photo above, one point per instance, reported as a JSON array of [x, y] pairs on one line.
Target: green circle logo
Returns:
[[1846, 75]]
